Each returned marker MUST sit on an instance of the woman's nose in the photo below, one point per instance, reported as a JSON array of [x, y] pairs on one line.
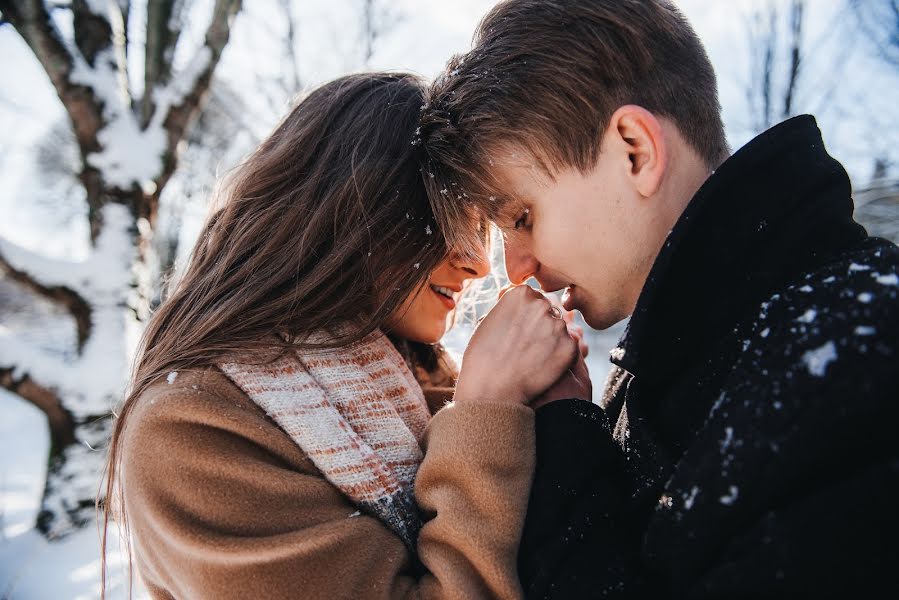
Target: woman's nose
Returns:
[[476, 266]]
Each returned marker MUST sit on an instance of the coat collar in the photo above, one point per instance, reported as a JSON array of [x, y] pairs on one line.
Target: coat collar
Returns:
[[775, 209]]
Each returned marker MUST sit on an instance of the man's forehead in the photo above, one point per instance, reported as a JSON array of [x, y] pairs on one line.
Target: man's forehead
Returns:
[[518, 174], [520, 160]]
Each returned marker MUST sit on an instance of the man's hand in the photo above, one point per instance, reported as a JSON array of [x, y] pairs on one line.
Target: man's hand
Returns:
[[517, 351]]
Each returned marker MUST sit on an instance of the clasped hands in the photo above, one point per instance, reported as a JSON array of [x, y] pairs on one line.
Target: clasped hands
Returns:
[[526, 350]]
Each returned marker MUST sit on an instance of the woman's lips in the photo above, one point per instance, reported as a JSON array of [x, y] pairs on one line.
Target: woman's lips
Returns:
[[449, 303]]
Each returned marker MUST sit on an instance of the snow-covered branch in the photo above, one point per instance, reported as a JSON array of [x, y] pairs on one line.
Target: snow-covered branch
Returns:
[[174, 105], [40, 271], [87, 385], [79, 286], [49, 279], [163, 31], [20, 358], [33, 22], [59, 419]]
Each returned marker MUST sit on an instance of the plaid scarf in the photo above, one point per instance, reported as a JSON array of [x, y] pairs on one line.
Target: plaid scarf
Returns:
[[358, 413]]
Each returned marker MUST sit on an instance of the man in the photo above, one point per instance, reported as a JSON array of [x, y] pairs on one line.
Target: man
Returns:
[[744, 444]]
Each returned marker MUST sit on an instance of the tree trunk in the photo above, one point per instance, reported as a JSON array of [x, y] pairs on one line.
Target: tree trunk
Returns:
[[107, 294], [78, 394]]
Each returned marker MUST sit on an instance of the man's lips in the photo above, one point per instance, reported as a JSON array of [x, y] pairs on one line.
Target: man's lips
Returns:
[[568, 300], [549, 288]]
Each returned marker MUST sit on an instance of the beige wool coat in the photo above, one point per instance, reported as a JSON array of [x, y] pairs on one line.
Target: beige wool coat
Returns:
[[221, 503]]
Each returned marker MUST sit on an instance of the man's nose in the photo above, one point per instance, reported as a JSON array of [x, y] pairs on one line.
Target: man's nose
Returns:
[[520, 264]]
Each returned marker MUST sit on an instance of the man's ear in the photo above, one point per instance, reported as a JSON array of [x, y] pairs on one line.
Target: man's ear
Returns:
[[640, 135]]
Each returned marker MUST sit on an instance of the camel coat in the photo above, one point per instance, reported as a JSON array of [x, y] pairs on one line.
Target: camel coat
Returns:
[[222, 503]]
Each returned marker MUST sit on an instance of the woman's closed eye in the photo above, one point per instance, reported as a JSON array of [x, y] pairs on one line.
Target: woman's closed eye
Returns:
[[522, 220]]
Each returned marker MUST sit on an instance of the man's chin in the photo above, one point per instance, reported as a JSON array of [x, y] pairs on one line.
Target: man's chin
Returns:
[[598, 319]]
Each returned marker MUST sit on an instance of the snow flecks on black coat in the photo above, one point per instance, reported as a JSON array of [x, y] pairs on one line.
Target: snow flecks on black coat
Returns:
[[746, 442]]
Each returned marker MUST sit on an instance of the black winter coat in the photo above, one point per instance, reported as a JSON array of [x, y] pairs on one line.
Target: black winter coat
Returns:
[[746, 442]]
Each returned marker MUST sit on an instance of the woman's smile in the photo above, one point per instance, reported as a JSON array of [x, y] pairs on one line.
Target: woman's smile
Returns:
[[445, 295], [427, 313]]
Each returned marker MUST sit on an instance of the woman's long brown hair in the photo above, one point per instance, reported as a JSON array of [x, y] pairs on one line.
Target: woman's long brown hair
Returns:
[[327, 222]]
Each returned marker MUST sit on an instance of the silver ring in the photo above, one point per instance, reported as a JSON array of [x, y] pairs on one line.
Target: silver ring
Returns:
[[555, 312]]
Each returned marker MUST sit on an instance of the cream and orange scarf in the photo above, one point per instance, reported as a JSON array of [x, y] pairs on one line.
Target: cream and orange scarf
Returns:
[[358, 413]]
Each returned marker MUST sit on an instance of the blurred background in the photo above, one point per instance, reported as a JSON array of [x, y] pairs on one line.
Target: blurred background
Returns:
[[145, 103]]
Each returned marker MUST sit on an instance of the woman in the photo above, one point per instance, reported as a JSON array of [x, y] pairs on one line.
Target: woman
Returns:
[[274, 435]]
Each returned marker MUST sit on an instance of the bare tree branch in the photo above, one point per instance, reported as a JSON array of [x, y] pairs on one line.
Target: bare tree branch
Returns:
[[32, 21], [293, 80], [377, 19], [125, 7], [62, 425], [878, 21], [796, 14], [369, 31], [277, 90], [776, 65], [180, 115], [163, 31], [82, 63], [95, 33], [768, 66]]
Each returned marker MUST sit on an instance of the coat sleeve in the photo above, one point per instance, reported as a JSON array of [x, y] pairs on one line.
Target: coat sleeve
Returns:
[[574, 539], [222, 504]]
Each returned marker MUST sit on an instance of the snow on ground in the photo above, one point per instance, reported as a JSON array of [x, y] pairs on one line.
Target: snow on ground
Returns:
[[30, 567], [24, 439]]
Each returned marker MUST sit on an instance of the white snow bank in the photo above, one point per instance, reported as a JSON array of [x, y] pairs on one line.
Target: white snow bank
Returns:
[[24, 443], [30, 567]]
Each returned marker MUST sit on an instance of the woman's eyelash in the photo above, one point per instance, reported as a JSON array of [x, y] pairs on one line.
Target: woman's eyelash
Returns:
[[522, 220]]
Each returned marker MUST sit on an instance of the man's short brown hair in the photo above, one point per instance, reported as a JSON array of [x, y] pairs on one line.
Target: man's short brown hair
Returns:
[[547, 75]]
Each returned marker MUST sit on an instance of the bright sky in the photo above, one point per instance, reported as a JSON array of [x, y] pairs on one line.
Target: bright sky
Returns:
[[858, 123]]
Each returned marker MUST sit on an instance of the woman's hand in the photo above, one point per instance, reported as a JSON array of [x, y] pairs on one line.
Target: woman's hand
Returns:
[[575, 330], [517, 351]]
